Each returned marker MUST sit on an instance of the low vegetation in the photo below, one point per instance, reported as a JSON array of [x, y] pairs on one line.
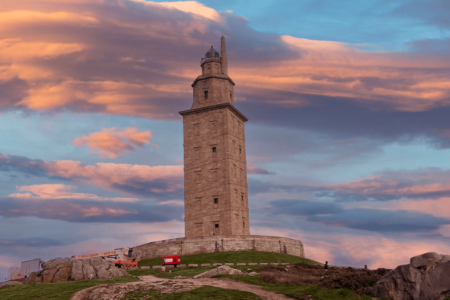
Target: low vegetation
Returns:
[[301, 280], [55, 291], [206, 292]]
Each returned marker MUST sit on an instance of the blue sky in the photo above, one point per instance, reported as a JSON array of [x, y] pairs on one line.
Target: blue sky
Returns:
[[347, 141]]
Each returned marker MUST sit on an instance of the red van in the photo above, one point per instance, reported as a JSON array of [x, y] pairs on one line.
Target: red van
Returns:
[[171, 260]]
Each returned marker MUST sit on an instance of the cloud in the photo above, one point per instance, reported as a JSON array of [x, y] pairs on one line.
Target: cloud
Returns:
[[431, 45], [303, 207], [61, 191], [148, 181], [429, 183], [194, 7], [252, 169], [87, 210], [30, 242], [352, 250], [383, 221], [433, 12], [374, 220], [112, 143], [85, 69]]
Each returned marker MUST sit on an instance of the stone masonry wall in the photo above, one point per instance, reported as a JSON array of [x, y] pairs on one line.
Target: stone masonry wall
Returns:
[[210, 244]]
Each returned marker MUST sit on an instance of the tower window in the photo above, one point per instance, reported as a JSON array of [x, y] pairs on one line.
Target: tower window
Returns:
[[216, 225], [216, 200], [243, 224], [214, 149], [206, 94], [230, 96]]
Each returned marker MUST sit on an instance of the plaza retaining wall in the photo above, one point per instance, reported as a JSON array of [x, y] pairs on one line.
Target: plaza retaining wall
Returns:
[[211, 244]]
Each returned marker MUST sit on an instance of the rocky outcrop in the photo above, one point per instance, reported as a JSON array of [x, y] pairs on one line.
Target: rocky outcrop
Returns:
[[426, 277], [68, 269], [219, 271]]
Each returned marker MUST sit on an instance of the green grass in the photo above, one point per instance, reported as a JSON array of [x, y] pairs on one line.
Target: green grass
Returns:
[[233, 257], [218, 257], [55, 291], [206, 292], [318, 293], [189, 272]]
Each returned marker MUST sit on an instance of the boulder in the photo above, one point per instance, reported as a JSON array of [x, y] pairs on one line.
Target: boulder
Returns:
[[89, 272], [47, 275], [57, 263], [427, 277], [62, 275], [77, 270], [65, 269], [115, 273], [103, 274], [31, 278], [219, 271]]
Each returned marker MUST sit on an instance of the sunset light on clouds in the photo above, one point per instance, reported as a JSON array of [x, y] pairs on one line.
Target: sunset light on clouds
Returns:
[[348, 138]]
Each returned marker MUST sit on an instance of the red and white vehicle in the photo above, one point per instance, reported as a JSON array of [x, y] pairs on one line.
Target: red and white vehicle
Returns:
[[171, 260], [122, 257]]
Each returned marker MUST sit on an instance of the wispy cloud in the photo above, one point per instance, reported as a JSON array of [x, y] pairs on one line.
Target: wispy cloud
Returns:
[[147, 181], [61, 191], [112, 143]]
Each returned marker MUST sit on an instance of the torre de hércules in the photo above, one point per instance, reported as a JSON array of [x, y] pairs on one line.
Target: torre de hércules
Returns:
[[215, 173]]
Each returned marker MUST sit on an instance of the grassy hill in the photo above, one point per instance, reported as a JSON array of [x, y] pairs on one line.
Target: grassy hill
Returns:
[[233, 257]]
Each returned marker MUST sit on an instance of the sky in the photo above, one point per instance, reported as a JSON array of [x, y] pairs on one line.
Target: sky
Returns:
[[348, 138]]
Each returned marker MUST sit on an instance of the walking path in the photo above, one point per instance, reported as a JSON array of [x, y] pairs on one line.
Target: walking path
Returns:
[[164, 285]]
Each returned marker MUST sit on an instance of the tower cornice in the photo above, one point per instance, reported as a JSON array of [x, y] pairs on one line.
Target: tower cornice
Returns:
[[214, 107], [208, 76]]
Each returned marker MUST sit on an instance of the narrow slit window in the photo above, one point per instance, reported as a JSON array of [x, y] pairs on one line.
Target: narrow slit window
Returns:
[[243, 224], [206, 94], [214, 149], [216, 225], [216, 200], [231, 96]]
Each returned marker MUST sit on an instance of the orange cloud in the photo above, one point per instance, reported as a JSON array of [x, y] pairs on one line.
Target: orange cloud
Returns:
[[61, 191], [112, 143], [195, 8], [110, 175], [105, 75]]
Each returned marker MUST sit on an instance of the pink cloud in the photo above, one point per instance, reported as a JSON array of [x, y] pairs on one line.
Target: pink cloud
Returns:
[[390, 186], [102, 74], [132, 179], [61, 191], [112, 143], [348, 250], [252, 169]]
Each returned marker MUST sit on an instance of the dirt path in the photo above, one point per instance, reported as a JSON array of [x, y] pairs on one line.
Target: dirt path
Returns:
[[163, 285]]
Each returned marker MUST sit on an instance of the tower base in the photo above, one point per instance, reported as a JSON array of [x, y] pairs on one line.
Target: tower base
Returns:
[[217, 243]]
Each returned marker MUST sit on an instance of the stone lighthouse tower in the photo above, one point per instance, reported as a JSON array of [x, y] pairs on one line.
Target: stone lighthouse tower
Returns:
[[215, 167]]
